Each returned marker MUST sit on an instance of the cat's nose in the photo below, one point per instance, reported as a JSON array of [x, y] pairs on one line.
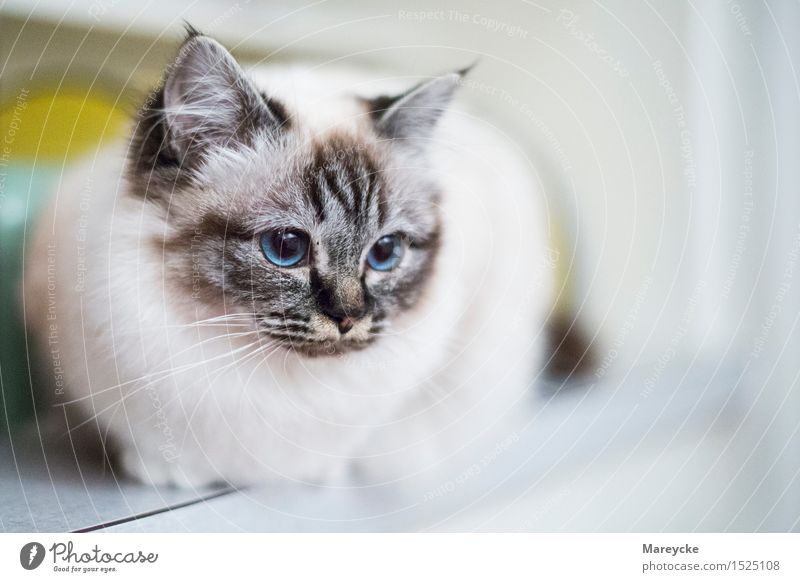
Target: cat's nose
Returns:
[[344, 302], [345, 325], [345, 319]]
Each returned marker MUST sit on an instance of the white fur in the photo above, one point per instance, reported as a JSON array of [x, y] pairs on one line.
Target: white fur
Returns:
[[185, 411]]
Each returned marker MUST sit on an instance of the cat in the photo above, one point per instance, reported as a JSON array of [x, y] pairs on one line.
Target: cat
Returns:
[[289, 274]]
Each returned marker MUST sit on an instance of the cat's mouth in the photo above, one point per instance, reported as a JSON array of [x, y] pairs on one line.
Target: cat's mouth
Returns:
[[319, 337], [317, 349]]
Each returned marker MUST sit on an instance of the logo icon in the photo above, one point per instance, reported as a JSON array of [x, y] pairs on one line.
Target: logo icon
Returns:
[[31, 555]]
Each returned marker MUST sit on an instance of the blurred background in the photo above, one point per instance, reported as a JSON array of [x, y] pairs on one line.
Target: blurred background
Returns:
[[666, 137]]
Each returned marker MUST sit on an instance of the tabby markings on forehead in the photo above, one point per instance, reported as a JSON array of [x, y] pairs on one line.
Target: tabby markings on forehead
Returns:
[[344, 174]]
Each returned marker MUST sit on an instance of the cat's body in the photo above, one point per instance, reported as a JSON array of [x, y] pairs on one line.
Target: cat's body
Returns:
[[117, 279]]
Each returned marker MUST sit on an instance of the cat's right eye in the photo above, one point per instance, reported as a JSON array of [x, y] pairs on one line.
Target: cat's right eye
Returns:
[[284, 248]]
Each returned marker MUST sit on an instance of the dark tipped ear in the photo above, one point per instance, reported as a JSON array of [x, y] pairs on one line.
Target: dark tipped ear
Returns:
[[414, 114], [208, 101]]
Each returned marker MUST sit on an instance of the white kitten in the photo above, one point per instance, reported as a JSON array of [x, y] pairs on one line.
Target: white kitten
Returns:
[[284, 274]]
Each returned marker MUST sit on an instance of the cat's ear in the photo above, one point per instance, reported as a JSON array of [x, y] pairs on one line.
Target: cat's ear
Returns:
[[415, 113], [208, 100]]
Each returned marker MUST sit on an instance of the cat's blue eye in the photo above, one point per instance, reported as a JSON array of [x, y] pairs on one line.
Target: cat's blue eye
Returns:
[[284, 248], [386, 253]]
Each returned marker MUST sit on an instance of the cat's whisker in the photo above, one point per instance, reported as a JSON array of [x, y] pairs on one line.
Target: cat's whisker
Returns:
[[264, 359], [145, 386], [290, 336], [109, 422], [211, 324], [228, 316], [164, 374], [439, 396], [188, 327], [280, 322], [217, 373], [226, 336]]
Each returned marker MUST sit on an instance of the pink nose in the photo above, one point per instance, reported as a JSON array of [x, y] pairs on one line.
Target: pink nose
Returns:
[[345, 325]]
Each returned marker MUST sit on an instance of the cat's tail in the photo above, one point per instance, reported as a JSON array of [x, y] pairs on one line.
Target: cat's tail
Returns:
[[571, 349], [571, 354]]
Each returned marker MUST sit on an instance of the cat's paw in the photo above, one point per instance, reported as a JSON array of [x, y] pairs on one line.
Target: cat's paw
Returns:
[[163, 472]]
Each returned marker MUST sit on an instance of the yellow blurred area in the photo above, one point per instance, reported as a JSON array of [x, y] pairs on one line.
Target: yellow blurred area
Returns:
[[48, 126]]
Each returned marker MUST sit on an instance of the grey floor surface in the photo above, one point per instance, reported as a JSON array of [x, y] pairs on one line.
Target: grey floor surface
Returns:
[[608, 457]]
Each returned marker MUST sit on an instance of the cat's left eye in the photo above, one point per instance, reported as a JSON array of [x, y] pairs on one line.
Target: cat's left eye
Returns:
[[386, 253], [284, 248]]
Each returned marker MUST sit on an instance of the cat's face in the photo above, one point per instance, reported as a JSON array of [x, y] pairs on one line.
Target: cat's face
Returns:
[[319, 239]]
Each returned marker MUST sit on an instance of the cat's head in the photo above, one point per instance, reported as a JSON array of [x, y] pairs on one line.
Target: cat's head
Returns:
[[320, 235]]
